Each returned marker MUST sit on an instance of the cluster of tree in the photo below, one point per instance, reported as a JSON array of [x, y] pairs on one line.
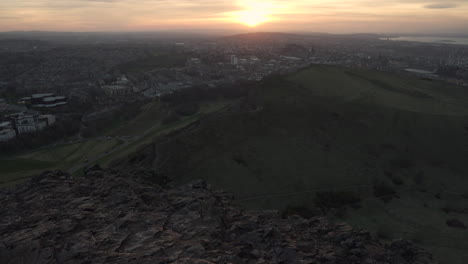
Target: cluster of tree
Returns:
[[186, 102], [203, 93]]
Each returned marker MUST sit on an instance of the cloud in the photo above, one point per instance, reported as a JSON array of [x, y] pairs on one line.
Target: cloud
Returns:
[[8, 17], [330, 15], [441, 6]]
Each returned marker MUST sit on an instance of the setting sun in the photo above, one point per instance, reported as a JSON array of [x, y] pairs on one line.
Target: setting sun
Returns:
[[253, 18], [255, 13]]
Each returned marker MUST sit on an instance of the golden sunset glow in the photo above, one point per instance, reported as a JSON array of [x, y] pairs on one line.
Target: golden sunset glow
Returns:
[[253, 18], [275, 15], [255, 13]]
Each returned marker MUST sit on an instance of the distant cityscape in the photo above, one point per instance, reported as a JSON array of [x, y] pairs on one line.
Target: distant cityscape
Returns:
[[43, 81]]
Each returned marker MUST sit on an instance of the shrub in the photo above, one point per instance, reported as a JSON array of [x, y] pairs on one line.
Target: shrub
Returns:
[[336, 199]]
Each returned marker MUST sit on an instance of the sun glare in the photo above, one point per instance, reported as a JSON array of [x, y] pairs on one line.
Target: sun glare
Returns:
[[255, 13], [253, 18]]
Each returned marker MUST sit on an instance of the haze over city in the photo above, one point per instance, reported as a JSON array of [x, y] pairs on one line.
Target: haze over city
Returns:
[[345, 16]]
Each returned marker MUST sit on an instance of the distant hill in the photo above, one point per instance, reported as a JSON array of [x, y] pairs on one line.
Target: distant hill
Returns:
[[262, 36], [291, 36], [398, 145]]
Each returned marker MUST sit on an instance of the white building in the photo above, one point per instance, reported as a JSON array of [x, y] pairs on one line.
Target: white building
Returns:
[[234, 60], [25, 124], [117, 90], [6, 131], [46, 100], [5, 125], [121, 87], [7, 134]]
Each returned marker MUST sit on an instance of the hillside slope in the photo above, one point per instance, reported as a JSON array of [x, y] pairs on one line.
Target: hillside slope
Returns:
[[111, 217], [399, 144]]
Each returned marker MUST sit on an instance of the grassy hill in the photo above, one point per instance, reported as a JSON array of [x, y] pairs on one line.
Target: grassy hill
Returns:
[[116, 142], [397, 144]]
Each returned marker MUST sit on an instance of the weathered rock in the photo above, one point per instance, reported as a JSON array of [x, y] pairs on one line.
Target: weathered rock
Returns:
[[109, 217]]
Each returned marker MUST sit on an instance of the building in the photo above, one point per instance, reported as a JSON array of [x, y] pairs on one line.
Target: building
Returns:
[[41, 124], [234, 60], [193, 62], [37, 98], [25, 124], [6, 125], [48, 100], [121, 87], [117, 90], [25, 101], [50, 119], [7, 134]]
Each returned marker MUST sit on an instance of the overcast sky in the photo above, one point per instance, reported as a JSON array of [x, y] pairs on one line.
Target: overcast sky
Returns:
[[336, 16]]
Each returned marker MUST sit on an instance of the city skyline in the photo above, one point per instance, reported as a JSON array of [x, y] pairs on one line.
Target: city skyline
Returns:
[[346, 16]]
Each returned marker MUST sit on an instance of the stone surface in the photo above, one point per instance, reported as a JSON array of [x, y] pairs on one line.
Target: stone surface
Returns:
[[110, 217]]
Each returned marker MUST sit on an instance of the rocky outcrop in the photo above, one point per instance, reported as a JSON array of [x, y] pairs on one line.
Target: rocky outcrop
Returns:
[[107, 217]]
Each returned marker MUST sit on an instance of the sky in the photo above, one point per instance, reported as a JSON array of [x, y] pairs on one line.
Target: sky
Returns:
[[333, 16]]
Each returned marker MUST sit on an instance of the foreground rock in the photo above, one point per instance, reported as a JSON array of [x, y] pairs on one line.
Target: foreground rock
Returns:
[[110, 218]]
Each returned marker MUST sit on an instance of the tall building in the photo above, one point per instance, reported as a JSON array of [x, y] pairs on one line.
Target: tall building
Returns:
[[234, 60]]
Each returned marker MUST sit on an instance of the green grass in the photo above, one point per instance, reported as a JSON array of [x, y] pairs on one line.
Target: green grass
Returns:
[[331, 127], [150, 114], [160, 130], [15, 171], [144, 128], [9, 166], [65, 156], [391, 90]]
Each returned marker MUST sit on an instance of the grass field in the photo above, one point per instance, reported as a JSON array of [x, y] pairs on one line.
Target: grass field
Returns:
[[14, 171], [124, 139], [341, 129]]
